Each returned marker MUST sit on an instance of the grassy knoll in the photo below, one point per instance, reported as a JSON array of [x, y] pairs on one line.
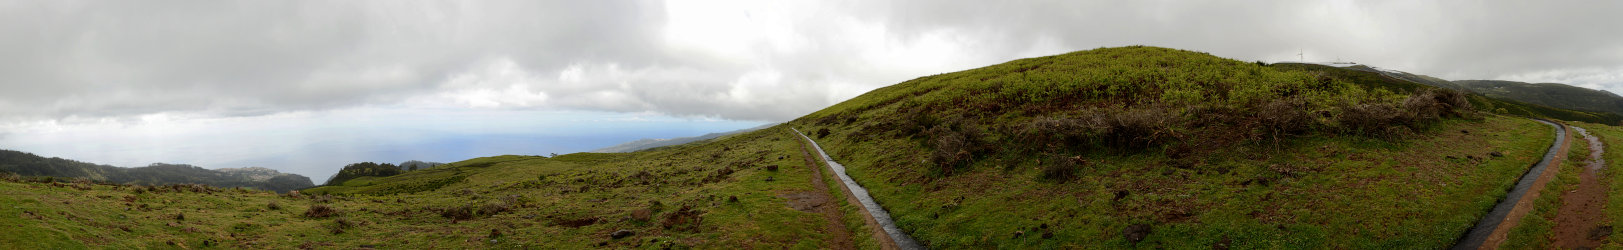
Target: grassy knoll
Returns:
[[1149, 147]]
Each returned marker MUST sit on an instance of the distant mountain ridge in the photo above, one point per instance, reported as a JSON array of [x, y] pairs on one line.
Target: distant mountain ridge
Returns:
[[1549, 94], [1552, 100], [28, 164], [642, 144]]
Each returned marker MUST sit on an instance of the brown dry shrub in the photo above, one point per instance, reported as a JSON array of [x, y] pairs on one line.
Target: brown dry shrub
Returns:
[[1431, 104], [1062, 168], [464, 212], [1134, 129], [494, 208], [1050, 132], [320, 211], [10, 177], [1284, 117], [956, 144], [684, 219], [1372, 119]]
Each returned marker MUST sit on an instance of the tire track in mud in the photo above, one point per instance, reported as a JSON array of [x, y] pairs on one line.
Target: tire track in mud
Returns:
[[1578, 221]]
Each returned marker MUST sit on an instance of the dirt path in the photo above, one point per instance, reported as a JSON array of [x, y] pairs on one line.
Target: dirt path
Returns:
[[1578, 222], [885, 230], [821, 202], [1493, 228]]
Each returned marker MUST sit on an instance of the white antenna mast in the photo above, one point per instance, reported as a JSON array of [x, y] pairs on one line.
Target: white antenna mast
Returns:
[[1299, 56]]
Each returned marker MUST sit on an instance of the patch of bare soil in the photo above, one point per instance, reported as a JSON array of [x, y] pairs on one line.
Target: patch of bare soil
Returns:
[[819, 201], [1578, 222]]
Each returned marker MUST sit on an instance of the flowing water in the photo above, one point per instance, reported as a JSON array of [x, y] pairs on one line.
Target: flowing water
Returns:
[[880, 216]]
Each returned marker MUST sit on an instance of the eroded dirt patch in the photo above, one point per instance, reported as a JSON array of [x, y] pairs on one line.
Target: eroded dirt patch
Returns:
[[806, 201]]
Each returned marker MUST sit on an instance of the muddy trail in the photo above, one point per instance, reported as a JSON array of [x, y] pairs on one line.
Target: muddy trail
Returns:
[[1495, 226], [1578, 222], [819, 201]]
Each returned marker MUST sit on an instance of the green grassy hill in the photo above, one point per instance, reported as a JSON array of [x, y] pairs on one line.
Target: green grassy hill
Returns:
[[1131, 147], [1550, 94]]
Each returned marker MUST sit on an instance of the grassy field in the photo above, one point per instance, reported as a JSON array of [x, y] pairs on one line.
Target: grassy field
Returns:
[[728, 193]]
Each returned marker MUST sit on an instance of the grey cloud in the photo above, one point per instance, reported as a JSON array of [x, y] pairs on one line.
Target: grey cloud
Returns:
[[121, 58], [72, 58]]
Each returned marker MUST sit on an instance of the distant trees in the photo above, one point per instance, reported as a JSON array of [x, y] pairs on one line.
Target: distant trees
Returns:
[[357, 170], [414, 165]]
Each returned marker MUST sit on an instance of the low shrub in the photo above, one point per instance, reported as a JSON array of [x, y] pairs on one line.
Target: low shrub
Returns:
[[1284, 117], [320, 211], [458, 213], [684, 219], [1061, 168], [955, 144]]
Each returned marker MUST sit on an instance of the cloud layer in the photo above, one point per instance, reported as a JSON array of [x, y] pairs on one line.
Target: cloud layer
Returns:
[[739, 60]]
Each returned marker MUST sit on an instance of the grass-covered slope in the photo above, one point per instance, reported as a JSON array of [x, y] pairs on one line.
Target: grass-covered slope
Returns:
[[1146, 147], [736, 191]]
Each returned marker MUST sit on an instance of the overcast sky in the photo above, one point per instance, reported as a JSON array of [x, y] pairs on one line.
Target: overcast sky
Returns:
[[243, 83]]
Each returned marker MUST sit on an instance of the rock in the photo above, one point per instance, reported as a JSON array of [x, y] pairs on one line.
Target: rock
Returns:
[[1496, 154], [1017, 234], [1120, 194], [768, 178], [1136, 232], [1462, 131], [772, 168], [1047, 235], [731, 198], [622, 233], [1222, 244]]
